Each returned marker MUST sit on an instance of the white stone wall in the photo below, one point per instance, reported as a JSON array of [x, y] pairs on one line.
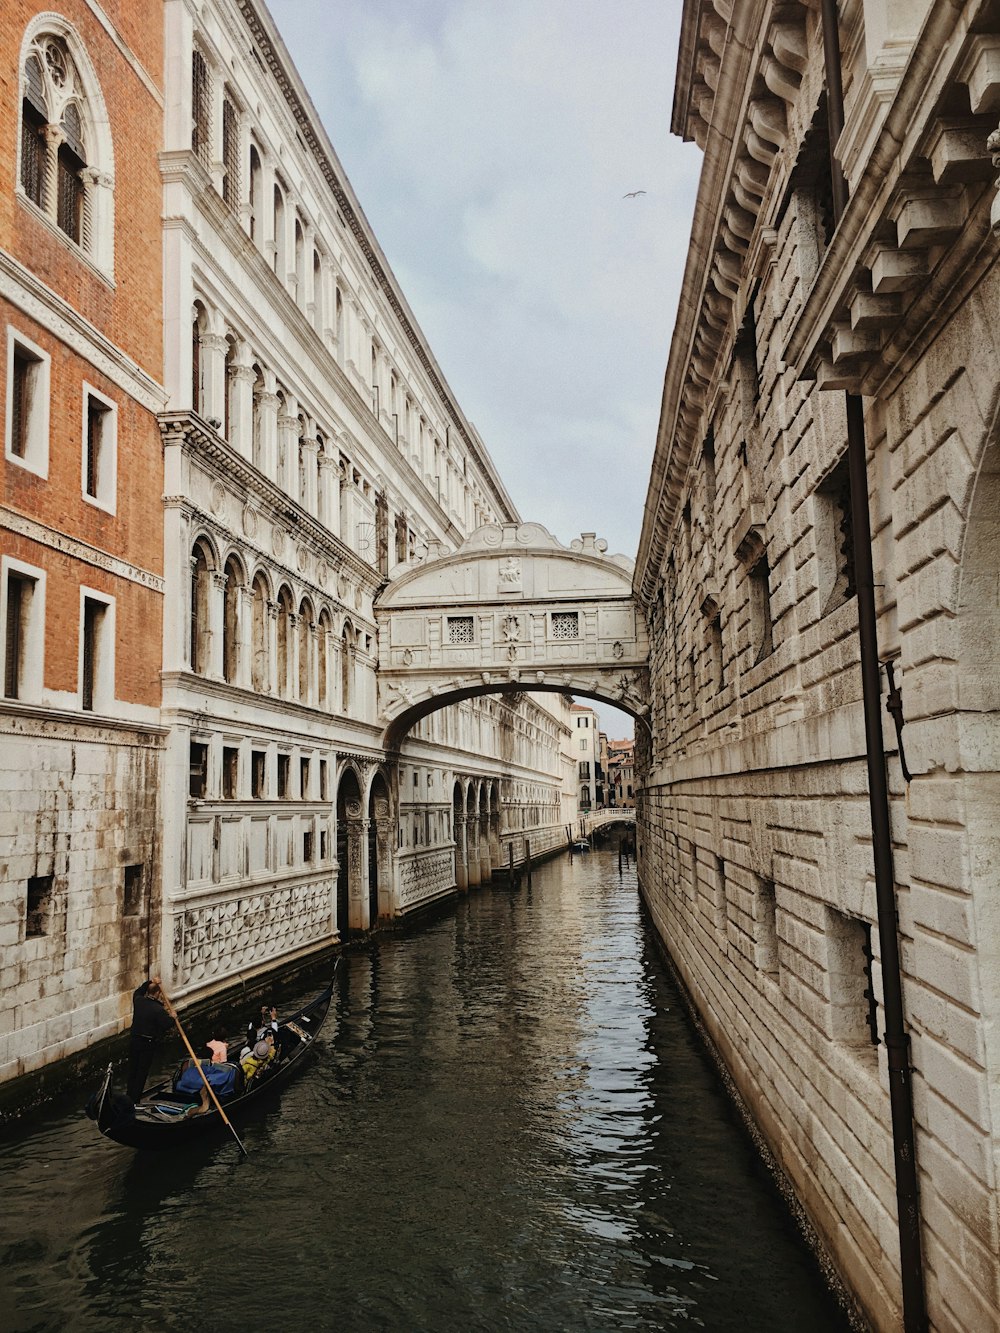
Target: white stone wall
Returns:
[[754, 824], [78, 803]]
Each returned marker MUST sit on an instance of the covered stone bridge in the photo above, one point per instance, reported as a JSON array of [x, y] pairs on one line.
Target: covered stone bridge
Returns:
[[511, 610]]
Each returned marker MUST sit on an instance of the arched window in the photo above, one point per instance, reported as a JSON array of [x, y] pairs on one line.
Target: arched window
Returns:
[[200, 580], [230, 622], [256, 202], [258, 665], [66, 162]]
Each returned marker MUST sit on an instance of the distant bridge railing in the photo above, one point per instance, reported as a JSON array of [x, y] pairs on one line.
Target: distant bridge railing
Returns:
[[594, 819]]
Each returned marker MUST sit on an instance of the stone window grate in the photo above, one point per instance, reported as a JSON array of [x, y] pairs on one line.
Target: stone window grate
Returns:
[[565, 624], [460, 629]]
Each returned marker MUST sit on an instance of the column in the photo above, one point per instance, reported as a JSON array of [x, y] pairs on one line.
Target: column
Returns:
[[241, 382], [213, 376], [244, 640], [268, 403], [383, 854], [310, 471], [472, 845], [357, 868], [288, 449], [267, 209], [485, 868], [271, 685], [292, 684], [329, 493], [461, 854], [327, 332], [216, 616], [307, 297]]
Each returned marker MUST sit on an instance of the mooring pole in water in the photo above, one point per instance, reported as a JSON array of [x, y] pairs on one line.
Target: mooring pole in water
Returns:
[[527, 857], [510, 865], [619, 858]]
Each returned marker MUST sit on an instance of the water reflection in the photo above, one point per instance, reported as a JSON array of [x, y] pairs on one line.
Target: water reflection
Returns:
[[509, 1126]]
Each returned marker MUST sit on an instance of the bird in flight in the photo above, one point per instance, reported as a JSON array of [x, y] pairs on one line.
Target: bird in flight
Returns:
[[633, 194]]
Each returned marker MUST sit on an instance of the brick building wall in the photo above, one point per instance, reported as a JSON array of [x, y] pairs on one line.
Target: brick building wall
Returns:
[[81, 551]]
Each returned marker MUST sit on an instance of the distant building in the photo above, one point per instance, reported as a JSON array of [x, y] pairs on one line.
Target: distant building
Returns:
[[621, 774], [586, 745]]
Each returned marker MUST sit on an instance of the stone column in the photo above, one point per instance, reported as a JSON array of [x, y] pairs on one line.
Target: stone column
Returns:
[[327, 332], [53, 136], [288, 452], [307, 296], [216, 617], [213, 376], [271, 684], [266, 219], [241, 405], [329, 493], [472, 845], [268, 403], [357, 867], [461, 854], [383, 855], [244, 643], [485, 866], [310, 472], [291, 690]]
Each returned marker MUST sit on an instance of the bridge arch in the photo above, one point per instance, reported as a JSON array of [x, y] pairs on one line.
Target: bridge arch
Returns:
[[512, 610]]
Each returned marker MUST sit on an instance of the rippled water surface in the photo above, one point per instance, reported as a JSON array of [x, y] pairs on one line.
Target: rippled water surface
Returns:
[[510, 1125]]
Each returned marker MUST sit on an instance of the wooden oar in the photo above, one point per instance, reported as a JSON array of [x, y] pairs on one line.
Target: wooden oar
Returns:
[[197, 1064]]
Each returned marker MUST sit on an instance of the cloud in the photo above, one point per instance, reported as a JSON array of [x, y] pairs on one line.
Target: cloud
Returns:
[[490, 143]]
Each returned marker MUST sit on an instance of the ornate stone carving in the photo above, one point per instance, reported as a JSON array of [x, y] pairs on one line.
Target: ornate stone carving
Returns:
[[249, 521]]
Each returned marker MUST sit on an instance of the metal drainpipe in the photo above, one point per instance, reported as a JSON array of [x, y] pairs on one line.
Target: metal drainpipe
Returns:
[[897, 1042]]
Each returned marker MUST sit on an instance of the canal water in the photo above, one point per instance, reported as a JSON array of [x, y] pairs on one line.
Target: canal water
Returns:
[[510, 1126]]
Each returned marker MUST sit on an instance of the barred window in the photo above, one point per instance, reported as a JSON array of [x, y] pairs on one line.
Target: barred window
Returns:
[[231, 155], [201, 109], [460, 629], [565, 624]]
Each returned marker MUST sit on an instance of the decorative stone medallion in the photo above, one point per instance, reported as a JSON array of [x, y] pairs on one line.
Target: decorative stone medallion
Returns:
[[277, 542], [217, 500], [249, 521]]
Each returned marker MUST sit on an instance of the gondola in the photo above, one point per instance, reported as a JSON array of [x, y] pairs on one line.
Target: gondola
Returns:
[[164, 1118]]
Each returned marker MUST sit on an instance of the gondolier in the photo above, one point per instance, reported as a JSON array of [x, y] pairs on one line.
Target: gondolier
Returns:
[[150, 1023]]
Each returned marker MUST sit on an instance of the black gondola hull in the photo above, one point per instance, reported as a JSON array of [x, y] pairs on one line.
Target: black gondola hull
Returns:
[[133, 1126]]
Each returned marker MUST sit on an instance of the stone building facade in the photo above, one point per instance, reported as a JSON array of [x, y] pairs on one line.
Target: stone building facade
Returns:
[[804, 304], [81, 550], [312, 450]]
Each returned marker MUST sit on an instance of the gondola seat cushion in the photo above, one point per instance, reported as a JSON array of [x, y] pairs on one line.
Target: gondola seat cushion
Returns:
[[225, 1079]]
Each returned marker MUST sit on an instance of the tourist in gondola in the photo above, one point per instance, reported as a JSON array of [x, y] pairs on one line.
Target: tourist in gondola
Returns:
[[261, 1055], [150, 1023], [219, 1046]]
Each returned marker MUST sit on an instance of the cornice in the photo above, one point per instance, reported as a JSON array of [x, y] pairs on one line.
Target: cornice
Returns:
[[190, 431]]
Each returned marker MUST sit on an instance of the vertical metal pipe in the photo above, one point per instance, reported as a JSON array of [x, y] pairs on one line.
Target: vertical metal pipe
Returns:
[[897, 1043]]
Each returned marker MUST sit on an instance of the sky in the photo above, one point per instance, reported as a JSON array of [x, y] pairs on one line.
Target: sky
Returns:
[[491, 144]]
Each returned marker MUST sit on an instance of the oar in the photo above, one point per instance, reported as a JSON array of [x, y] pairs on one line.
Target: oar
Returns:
[[197, 1064]]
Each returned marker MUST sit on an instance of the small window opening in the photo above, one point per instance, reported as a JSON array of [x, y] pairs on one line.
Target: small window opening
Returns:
[[230, 772], [39, 906], [198, 780], [284, 769], [258, 769], [133, 891]]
